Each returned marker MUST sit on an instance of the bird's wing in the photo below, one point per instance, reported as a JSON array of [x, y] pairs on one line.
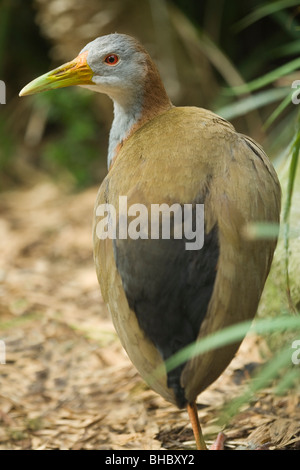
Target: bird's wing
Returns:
[[246, 191]]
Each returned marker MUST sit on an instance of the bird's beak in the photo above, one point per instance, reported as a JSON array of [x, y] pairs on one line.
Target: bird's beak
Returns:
[[76, 72]]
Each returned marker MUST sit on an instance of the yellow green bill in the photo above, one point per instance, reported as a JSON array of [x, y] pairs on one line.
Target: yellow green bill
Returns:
[[76, 72]]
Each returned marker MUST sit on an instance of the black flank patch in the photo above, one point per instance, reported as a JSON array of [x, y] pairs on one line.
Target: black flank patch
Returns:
[[169, 289]]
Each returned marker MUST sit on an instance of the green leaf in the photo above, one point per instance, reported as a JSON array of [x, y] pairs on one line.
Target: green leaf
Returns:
[[280, 108], [287, 381], [287, 207], [253, 102], [262, 379], [266, 79], [262, 230], [264, 10], [227, 336]]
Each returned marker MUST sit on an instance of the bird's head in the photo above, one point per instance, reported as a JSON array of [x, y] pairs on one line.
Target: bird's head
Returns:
[[116, 65], [120, 67]]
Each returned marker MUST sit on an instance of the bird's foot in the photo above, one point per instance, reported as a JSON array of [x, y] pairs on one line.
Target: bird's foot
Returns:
[[219, 442]]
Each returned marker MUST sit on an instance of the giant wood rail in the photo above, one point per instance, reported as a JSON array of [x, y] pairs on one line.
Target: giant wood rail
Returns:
[[161, 295]]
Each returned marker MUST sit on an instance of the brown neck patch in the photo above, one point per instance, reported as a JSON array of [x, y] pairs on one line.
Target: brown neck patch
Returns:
[[155, 100]]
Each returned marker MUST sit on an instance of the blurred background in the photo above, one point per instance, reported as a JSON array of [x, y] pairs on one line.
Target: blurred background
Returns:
[[203, 50], [238, 59]]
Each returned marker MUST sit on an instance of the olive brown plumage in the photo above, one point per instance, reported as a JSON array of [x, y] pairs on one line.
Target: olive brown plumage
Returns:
[[162, 296]]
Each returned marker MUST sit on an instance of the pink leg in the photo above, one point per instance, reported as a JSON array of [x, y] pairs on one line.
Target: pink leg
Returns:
[[219, 442]]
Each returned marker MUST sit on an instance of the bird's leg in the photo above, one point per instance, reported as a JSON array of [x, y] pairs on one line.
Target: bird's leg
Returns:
[[219, 442], [200, 443], [193, 415]]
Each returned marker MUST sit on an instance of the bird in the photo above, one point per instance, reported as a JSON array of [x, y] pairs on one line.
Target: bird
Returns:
[[168, 290]]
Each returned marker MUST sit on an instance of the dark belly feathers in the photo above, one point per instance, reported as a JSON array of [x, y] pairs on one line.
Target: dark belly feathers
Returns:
[[169, 289]]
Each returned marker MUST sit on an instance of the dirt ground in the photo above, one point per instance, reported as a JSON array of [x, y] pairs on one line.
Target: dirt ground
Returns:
[[67, 383]]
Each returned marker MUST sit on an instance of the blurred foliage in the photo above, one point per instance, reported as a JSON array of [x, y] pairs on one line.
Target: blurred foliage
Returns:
[[74, 149], [67, 146], [253, 53], [280, 371], [243, 41], [20, 45]]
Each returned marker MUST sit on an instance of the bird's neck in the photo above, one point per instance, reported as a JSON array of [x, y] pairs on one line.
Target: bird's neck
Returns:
[[136, 107], [125, 119]]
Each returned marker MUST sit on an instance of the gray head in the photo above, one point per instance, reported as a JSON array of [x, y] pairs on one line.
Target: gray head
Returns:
[[119, 64], [115, 64], [123, 70]]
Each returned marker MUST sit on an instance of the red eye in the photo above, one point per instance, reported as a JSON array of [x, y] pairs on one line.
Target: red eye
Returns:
[[111, 59]]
